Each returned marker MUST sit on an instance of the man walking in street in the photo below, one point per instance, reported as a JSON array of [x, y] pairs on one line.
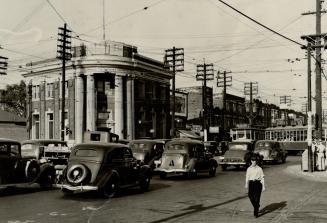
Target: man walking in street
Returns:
[[254, 182]]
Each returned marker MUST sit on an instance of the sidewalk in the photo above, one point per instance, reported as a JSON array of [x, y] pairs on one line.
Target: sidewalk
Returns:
[[320, 176]]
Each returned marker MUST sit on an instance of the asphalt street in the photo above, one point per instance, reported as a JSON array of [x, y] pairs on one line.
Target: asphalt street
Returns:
[[288, 198]]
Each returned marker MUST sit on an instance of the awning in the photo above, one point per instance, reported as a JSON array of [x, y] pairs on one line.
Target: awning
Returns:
[[188, 134]]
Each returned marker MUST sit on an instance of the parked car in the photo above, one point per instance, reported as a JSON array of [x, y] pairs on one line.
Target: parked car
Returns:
[[271, 151], [104, 167], [54, 151], [238, 154], [16, 169], [188, 157], [147, 151]]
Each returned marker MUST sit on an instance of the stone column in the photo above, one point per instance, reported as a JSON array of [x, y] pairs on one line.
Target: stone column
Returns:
[[79, 116], [130, 109], [119, 117], [90, 103]]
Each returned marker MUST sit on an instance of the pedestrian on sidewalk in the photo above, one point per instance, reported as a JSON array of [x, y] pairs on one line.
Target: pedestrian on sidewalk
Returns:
[[255, 184], [321, 155]]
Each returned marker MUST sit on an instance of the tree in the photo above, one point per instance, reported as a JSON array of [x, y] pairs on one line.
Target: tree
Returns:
[[14, 98]]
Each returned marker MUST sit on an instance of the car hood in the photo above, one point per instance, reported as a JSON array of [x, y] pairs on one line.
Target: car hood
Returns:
[[173, 160], [235, 154]]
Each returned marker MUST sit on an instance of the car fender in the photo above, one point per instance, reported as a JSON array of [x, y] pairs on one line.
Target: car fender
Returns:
[[45, 168], [213, 162], [145, 170], [191, 164], [105, 177]]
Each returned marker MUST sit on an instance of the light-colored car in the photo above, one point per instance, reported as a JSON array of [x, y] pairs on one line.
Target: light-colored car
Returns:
[[188, 157], [238, 154], [271, 151]]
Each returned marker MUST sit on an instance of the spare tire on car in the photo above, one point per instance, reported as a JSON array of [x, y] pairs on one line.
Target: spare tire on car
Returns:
[[77, 174]]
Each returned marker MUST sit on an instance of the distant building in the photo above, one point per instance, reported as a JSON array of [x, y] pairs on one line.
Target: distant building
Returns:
[[12, 126], [109, 86]]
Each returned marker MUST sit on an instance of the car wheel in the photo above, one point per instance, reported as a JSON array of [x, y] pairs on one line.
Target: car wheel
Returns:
[[47, 180], [284, 159], [32, 170], [111, 187], [212, 171], [224, 167], [145, 183], [163, 175]]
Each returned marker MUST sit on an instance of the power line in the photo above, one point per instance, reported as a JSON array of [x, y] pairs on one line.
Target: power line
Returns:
[[264, 26]]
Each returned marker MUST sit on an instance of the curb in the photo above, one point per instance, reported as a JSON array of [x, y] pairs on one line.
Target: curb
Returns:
[[320, 176]]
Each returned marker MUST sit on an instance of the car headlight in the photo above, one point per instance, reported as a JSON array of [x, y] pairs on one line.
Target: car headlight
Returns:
[[43, 160]]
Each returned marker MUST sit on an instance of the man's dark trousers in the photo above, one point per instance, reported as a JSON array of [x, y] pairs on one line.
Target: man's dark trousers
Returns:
[[255, 188]]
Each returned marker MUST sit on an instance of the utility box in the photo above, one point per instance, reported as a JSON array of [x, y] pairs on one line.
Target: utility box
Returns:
[[305, 162]]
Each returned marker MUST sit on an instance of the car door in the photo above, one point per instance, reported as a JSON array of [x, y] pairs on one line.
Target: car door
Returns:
[[15, 168], [131, 168], [4, 163], [199, 154], [118, 163]]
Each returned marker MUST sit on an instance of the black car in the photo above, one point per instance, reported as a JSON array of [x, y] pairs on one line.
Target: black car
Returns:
[[15, 169], [147, 150], [54, 151], [104, 167]]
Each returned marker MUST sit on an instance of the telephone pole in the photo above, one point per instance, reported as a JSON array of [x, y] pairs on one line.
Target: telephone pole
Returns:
[[3, 65], [286, 99], [224, 81], [174, 60], [316, 40], [204, 73], [64, 54], [251, 88]]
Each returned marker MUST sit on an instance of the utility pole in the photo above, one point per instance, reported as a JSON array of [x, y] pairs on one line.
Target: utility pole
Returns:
[[204, 73], [224, 81], [251, 88], [286, 99], [174, 60], [3, 65], [63, 53], [316, 39]]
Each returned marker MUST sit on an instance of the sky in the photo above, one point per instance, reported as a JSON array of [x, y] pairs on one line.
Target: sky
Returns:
[[208, 31]]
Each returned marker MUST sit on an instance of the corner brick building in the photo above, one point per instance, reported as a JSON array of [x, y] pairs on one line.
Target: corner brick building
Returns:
[[109, 86]]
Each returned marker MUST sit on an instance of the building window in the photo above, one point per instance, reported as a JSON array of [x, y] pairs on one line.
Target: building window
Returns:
[[36, 92], [36, 126], [50, 90], [50, 126]]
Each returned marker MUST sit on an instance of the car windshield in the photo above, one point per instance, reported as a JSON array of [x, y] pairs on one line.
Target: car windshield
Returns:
[[29, 150], [86, 152], [264, 144], [140, 146], [238, 146], [176, 147]]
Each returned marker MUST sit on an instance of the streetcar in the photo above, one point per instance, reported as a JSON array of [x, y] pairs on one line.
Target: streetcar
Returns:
[[292, 138], [247, 133]]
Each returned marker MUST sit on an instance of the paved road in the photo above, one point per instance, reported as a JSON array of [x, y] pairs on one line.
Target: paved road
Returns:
[[288, 198]]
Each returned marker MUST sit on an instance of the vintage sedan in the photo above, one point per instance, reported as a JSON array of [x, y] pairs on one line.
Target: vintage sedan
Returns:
[[54, 151], [147, 151], [188, 157], [17, 170], [104, 167], [271, 151], [238, 154]]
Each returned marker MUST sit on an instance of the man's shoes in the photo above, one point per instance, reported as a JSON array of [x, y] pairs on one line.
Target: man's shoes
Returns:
[[256, 212]]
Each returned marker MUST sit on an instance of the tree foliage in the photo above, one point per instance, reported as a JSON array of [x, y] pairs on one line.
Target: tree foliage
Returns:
[[15, 98]]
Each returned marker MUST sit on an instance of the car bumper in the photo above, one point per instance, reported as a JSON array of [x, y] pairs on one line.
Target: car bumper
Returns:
[[231, 163], [78, 188], [172, 170]]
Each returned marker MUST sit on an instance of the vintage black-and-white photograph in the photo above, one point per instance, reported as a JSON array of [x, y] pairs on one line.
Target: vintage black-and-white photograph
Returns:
[[163, 111]]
